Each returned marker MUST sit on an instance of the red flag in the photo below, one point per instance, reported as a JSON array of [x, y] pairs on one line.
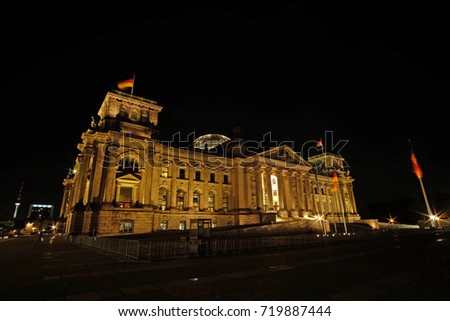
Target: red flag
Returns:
[[129, 83], [416, 168], [334, 183]]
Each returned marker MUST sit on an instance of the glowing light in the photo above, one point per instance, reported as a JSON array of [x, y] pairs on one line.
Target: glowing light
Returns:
[[391, 219]]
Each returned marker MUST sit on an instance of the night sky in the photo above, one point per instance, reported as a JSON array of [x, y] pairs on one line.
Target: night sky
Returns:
[[371, 74]]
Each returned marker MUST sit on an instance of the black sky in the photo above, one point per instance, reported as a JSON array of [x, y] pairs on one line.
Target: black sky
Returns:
[[371, 73]]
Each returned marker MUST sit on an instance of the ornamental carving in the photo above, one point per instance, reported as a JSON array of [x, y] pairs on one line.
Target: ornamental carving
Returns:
[[252, 189]]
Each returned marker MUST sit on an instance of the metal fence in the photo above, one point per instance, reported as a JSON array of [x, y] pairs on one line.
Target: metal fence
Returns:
[[152, 250], [121, 247]]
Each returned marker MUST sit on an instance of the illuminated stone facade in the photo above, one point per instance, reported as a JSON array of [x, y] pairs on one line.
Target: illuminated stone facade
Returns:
[[127, 181]]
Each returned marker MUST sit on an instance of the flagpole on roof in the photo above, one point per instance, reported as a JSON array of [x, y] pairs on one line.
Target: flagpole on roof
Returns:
[[132, 87], [418, 171]]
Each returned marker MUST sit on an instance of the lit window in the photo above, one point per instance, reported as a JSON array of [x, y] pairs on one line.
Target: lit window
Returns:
[[196, 200], [129, 164], [164, 225], [225, 202], [162, 199], [126, 226], [211, 199], [180, 200], [164, 172]]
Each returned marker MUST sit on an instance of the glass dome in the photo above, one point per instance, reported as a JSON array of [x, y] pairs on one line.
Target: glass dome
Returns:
[[210, 141]]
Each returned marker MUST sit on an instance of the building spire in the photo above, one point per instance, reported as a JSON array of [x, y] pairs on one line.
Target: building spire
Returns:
[[18, 199]]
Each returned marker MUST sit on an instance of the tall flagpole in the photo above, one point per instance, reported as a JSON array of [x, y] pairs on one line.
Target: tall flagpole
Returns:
[[132, 87], [418, 171], [430, 213], [343, 212], [319, 190], [334, 206]]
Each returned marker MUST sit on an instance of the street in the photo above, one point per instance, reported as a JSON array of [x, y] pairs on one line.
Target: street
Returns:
[[394, 269]]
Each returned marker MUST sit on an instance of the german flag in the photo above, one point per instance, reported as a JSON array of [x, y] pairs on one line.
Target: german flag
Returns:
[[319, 143], [128, 83], [334, 183], [416, 168]]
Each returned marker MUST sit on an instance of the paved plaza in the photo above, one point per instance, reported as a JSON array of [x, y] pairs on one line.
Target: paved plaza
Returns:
[[55, 269]]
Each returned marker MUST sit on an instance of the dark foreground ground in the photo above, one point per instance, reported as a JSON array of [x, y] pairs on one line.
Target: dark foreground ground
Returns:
[[402, 268]]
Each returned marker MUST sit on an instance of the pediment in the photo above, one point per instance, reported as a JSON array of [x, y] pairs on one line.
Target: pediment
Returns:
[[285, 154], [129, 177]]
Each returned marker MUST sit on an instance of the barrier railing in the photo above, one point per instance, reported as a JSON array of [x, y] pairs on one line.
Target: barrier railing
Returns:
[[150, 250]]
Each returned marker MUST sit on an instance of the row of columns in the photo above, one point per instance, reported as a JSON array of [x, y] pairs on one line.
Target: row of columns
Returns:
[[252, 188]]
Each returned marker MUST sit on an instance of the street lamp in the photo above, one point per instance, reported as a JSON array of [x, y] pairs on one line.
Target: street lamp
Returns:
[[319, 218]]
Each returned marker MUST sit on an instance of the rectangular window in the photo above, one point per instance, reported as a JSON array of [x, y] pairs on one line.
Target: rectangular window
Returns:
[[225, 202], [125, 194], [225, 179], [126, 226], [164, 172], [212, 177], [198, 175], [182, 173], [182, 225], [163, 226]]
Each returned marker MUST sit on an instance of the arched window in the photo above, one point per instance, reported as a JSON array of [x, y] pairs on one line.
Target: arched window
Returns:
[[180, 200], [162, 198], [134, 115], [211, 201], [123, 112], [128, 164], [196, 200]]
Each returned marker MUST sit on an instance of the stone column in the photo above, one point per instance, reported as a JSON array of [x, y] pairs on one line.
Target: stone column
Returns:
[[287, 190], [242, 188], [173, 191], [152, 188], [65, 208], [259, 193], [300, 193], [268, 188], [250, 187], [327, 205], [204, 195], [294, 202], [84, 159], [98, 173], [308, 201], [190, 191], [281, 194], [342, 195], [220, 186], [351, 195], [313, 196], [110, 169]]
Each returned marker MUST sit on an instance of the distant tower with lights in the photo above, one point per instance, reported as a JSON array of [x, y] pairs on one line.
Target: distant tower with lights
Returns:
[[17, 203]]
